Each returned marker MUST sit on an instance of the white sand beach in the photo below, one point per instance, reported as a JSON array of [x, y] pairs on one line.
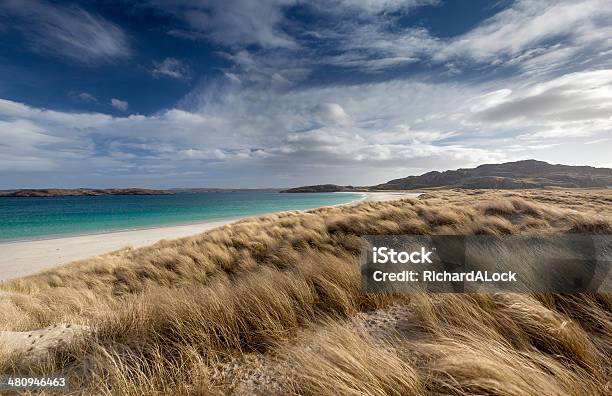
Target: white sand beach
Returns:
[[24, 258], [389, 195]]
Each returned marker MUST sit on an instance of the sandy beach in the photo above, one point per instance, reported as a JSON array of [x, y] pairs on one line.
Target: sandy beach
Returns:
[[28, 257]]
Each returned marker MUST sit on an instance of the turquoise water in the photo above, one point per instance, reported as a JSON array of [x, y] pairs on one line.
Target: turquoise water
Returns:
[[34, 218]]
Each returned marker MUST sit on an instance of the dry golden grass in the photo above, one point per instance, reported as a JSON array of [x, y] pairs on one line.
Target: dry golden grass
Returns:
[[167, 319]]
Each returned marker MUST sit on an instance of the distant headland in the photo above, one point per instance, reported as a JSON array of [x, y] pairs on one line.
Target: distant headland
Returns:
[[510, 175], [74, 192]]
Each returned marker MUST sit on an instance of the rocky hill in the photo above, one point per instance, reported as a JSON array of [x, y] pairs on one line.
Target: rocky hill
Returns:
[[509, 175]]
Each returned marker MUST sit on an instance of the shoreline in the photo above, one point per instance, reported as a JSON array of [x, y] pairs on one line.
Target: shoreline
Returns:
[[152, 226], [51, 237], [27, 257]]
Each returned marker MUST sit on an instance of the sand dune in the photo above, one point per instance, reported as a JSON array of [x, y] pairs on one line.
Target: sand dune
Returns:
[[274, 304], [35, 344]]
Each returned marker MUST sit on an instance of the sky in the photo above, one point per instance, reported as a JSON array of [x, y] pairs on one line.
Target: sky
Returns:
[[281, 93]]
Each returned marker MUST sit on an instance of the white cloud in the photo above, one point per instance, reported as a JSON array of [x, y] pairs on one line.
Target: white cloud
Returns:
[[575, 104], [119, 104], [84, 97], [233, 22], [536, 35], [372, 48], [14, 109], [360, 9], [375, 6], [171, 67], [69, 32], [277, 68], [329, 114], [362, 134], [362, 150], [404, 134], [261, 136], [24, 146], [532, 35]]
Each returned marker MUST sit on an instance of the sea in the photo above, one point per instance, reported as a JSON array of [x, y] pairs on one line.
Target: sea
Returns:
[[48, 217]]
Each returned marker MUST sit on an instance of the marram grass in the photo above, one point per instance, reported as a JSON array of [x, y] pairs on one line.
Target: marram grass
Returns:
[[274, 305]]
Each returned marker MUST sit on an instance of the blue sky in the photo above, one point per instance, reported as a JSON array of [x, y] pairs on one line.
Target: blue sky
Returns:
[[276, 93]]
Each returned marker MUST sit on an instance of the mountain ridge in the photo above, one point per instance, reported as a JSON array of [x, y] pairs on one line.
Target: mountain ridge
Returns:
[[509, 175]]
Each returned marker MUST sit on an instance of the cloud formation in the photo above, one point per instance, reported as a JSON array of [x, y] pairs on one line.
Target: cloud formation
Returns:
[[172, 68], [119, 104], [67, 31], [391, 128], [84, 97], [233, 22], [357, 100], [536, 35], [575, 104]]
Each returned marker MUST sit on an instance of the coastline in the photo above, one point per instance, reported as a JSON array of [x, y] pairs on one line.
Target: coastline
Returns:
[[22, 258]]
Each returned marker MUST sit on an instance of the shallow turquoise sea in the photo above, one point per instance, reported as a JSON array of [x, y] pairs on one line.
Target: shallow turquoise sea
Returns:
[[36, 218]]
